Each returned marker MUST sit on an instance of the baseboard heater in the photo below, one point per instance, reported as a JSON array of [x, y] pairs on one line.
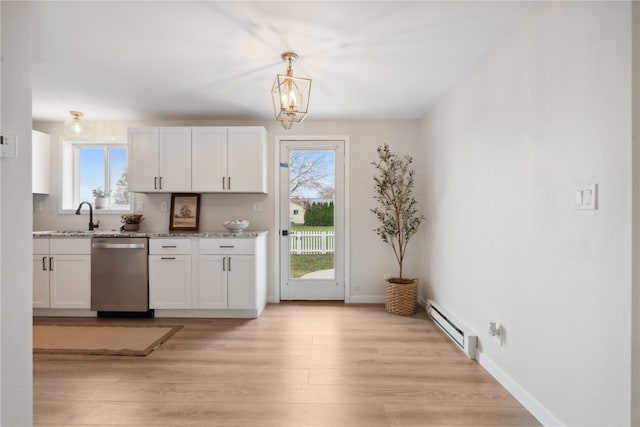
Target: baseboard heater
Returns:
[[453, 329]]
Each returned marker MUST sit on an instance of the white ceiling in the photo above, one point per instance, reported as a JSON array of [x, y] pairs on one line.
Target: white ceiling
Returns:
[[123, 60]]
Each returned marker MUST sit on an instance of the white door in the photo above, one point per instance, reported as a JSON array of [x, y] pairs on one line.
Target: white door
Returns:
[[312, 219]]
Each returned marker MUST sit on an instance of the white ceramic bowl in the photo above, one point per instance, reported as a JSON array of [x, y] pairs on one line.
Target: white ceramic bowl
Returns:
[[236, 224]]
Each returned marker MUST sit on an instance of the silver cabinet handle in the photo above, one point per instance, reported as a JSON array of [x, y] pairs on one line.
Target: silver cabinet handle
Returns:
[[169, 246], [227, 247], [223, 181], [223, 260], [229, 183], [160, 180], [168, 257], [44, 259], [155, 182], [100, 245], [50, 263], [229, 264]]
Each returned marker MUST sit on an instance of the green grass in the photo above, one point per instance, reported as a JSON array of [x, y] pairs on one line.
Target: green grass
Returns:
[[303, 264], [308, 263]]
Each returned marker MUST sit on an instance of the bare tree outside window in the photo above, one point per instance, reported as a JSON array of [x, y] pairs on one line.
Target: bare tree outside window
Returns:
[[308, 173], [121, 192]]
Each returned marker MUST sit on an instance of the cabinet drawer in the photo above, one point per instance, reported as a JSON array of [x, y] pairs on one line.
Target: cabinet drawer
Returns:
[[169, 246], [41, 246], [70, 246], [227, 246]]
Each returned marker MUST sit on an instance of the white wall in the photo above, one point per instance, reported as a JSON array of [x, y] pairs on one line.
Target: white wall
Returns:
[[16, 389], [366, 251], [548, 109], [635, 306]]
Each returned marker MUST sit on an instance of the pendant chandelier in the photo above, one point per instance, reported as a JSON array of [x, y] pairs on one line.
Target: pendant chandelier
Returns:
[[290, 95], [74, 127]]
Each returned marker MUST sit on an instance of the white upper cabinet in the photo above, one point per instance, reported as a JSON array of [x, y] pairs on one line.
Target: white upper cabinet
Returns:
[[41, 153], [198, 159], [159, 159], [175, 159], [208, 159], [247, 160], [230, 160]]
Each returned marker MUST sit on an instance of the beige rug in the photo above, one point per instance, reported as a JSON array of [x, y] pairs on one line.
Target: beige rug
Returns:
[[120, 340]]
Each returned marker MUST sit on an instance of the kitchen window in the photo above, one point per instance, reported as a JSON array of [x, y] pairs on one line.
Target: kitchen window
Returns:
[[90, 167]]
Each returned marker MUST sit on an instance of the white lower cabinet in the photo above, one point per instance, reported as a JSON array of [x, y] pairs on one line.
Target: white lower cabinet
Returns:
[[227, 281], [170, 273], [212, 281], [62, 273], [227, 273]]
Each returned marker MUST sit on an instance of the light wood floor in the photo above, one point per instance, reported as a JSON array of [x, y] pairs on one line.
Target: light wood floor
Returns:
[[299, 364]]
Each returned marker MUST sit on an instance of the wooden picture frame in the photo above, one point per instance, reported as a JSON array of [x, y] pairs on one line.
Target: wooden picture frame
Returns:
[[185, 212]]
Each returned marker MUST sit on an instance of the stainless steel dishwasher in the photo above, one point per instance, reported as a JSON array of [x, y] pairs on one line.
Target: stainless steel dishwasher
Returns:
[[120, 276]]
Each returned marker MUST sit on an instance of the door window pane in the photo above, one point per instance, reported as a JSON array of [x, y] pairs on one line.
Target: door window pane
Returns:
[[312, 218]]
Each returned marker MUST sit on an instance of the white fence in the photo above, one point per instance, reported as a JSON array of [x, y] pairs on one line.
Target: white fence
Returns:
[[312, 242]]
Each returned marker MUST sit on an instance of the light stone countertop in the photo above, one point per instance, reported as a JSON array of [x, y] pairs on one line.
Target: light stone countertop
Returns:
[[62, 234]]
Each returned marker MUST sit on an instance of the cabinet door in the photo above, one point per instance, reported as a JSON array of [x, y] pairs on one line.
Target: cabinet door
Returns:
[[143, 152], [212, 281], [70, 281], [40, 281], [40, 162], [170, 281], [246, 160], [175, 159], [241, 282], [209, 159]]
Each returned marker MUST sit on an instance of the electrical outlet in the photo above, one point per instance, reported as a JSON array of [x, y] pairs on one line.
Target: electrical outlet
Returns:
[[257, 206], [495, 330], [139, 205], [163, 206]]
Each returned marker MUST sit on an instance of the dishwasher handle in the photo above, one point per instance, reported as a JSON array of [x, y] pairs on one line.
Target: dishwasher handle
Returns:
[[105, 245]]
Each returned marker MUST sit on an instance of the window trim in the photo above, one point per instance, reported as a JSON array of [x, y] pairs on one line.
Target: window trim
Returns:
[[68, 186]]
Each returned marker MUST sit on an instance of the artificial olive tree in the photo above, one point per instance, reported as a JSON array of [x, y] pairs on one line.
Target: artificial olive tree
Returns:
[[397, 209]]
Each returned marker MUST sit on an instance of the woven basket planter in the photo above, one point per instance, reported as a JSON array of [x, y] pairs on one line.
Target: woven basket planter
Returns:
[[400, 298]]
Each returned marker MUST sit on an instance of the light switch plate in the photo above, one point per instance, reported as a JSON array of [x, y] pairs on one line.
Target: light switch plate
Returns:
[[586, 197], [9, 144]]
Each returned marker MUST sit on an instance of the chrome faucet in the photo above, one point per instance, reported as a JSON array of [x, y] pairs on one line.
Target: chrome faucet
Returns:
[[91, 224]]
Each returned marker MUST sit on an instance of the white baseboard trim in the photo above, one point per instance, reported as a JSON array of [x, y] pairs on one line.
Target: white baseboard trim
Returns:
[[422, 302], [527, 400], [366, 299]]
